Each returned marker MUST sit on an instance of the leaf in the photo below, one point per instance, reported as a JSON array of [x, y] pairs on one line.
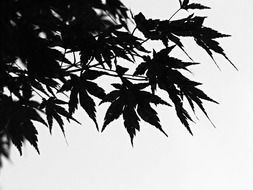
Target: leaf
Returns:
[[34, 115], [199, 103], [121, 53], [185, 3], [200, 94], [205, 38], [64, 113], [110, 97], [113, 112], [183, 116], [121, 70], [59, 120], [178, 64], [124, 102], [174, 95], [141, 68], [66, 86], [117, 9], [117, 86], [54, 111], [88, 105], [211, 33], [194, 6], [58, 101], [35, 84], [157, 100], [49, 118], [206, 48], [147, 27], [194, 94], [94, 89], [150, 98], [131, 121], [92, 74], [19, 126], [30, 133], [80, 87], [27, 91], [73, 100], [149, 115], [214, 45], [141, 86], [177, 41]]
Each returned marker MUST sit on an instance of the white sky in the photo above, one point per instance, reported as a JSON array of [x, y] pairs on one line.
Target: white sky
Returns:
[[214, 158]]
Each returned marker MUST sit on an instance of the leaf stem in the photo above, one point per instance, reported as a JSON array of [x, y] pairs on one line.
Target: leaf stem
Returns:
[[175, 13], [37, 93], [145, 41], [134, 30]]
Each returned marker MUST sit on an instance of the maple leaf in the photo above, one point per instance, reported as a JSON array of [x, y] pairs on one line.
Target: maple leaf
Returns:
[[193, 94], [163, 71], [156, 29], [111, 44], [191, 26], [108, 45], [53, 110], [80, 88], [133, 103], [205, 38]]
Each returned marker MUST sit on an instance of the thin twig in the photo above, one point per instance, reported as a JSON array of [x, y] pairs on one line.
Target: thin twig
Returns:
[[134, 30], [145, 41], [174, 13], [128, 76], [37, 93]]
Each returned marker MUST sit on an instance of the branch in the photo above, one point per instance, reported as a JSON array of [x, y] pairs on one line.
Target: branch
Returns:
[[128, 76]]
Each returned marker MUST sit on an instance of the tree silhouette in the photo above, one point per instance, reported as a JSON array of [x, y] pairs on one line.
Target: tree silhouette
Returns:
[[53, 52]]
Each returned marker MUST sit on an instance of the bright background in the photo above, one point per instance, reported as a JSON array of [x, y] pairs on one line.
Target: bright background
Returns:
[[214, 158]]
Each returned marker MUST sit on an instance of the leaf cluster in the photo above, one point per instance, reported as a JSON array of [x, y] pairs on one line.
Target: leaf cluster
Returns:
[[60, 48], [133, 103]]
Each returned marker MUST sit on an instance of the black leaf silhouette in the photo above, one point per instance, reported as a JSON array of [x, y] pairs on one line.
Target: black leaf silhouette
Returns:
[[194, 6], [80, 88], [128, 99]]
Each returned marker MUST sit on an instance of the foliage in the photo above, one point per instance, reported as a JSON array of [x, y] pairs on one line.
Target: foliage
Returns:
[[53, 52]]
